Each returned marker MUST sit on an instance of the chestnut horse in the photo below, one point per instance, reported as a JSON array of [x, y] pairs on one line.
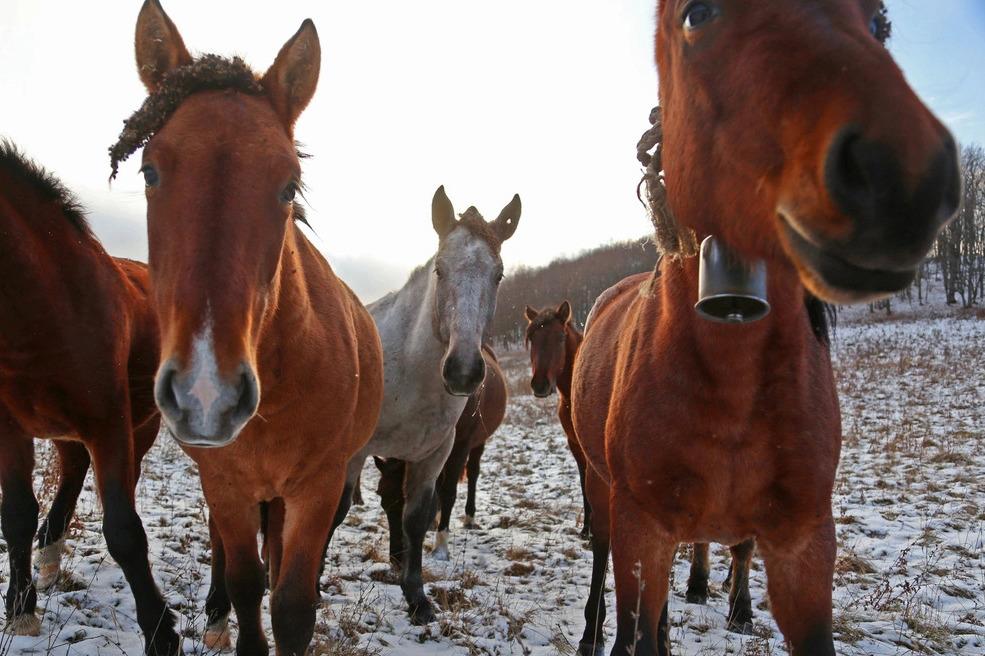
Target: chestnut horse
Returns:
[[246, 303], [829, 168], [483, 413], [553, 343], [78, 348]]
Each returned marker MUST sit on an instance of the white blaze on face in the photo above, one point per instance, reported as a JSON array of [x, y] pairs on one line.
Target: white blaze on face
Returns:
[[205, 370]]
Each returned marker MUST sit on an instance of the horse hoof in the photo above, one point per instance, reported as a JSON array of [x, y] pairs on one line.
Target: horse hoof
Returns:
[[696, 597], [744, 628], [586, 532], [589, 649], [468, 521], [217, 637], [49, 564], [27, 624], [422, 613], [441, 553], [48, 576]]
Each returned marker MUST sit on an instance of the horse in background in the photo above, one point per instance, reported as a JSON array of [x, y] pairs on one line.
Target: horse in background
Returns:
[[270, 373], [432, 331], [78, 348], [695, 431], [483, 413]]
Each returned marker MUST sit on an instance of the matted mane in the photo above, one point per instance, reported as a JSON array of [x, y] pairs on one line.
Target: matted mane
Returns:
[[207, 73], [473, 221], [45, 183]]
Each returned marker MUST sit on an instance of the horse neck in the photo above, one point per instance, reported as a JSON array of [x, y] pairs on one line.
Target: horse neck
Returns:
[[412, 315], [572, 340], [289, 297], [734, 354]]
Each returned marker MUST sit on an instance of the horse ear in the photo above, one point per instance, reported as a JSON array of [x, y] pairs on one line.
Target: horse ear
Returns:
[[158, 45], [505, 223], [530, 313], [442, 213], [291, 79], [564, 311]]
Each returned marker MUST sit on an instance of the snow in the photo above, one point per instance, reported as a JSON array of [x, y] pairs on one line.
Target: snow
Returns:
[[908, 505]]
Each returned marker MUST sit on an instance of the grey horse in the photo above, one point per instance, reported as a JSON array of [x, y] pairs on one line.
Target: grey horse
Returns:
[[432, 331]]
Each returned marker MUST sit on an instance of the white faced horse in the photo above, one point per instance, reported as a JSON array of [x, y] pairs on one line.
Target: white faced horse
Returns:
[[432, 331]]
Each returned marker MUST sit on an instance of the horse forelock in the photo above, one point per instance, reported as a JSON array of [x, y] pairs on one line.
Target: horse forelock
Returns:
[[471, 220], [207, 73]]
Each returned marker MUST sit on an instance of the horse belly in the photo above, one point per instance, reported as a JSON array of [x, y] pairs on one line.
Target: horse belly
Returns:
[[36, 411]]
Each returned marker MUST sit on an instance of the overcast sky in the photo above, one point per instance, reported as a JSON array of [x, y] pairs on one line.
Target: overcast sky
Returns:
[[545, 98]]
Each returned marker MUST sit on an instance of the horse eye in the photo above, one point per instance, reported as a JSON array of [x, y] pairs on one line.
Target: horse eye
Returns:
[[874, 26], [150, 175], [697, 14], [290, 191], [438, 272], [499, 278]]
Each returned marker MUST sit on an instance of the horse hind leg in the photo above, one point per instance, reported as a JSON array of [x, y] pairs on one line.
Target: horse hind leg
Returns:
[[447, 489], [593, 639], [19, 521], [740, 602], [73, 462], [472, 469], [697, 581], [391, 491]]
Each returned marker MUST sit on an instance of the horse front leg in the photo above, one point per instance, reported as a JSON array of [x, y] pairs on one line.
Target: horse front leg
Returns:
[[113, 462], [73, 463], [472, 471], [19, 521], [418, 513], [593, 639], [799, 574], [697, 580]]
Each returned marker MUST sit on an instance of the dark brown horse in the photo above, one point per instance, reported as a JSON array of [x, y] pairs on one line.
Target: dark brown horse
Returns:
[[790, 135], [553, 343], [270, 374], [482, 415], [78, 349]]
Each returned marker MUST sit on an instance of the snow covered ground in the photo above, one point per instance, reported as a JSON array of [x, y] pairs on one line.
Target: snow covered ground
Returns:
[[908, 503]]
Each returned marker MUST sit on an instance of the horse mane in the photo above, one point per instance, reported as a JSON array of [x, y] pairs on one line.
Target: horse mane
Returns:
[[207, 73], [822, 316], [45, 183]]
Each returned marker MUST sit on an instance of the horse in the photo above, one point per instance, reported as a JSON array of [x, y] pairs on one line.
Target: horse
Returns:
[[483, 413], [432, 331], [246, 303], [553, 342], [78, 348], [830, 170]]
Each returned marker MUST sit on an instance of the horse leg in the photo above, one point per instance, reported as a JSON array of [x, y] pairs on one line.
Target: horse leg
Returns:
[[472, 470], [575, 448], [593, 639], [273, 539], [73, 461], [357, 492], [642, 555], [739, 601], [113, 462], [237, 521], [295, 596], [799, 574], [418, 512], [217, 604], [447, 491], [19, 521], [391, 490], [697, 580]]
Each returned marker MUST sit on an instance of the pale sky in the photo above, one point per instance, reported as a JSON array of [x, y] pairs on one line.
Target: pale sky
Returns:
[[545, 98]]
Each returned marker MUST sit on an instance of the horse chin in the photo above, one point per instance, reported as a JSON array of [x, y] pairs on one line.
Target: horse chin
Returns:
[[836, 280], [455, 391], [187, 437]]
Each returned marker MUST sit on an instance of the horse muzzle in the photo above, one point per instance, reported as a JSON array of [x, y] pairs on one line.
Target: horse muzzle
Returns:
[[202, 409]]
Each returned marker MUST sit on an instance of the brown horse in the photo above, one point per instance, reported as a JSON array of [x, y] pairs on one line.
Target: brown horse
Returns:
[[482, 415], [553, 343], [246, 303], [829, 168], [78, 349]]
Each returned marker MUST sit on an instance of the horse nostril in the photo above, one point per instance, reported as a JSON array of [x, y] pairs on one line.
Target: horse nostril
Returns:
[[852, 170], [249, 396], [165, 394]]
